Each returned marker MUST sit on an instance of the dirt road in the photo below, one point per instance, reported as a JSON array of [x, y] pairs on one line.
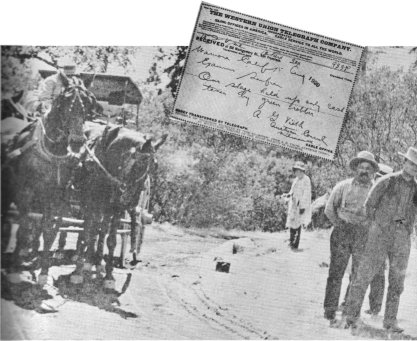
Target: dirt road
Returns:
[[175, 293]]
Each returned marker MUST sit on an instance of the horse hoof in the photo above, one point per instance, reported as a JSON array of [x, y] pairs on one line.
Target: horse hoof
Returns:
[[130, 262], [42, 280], [14, 277], [87, 267], [109, 284], [76, 279], [74, 258]]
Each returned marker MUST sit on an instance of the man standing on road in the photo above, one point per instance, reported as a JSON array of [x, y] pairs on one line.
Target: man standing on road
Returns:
[[299, 206], [377, 286], [345, 210], [391, 207]]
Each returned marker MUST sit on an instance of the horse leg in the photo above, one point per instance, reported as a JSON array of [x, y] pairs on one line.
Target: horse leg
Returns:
[[100, 244], [79, 246], [133, 231], [6, 201], [6, 229], [92, 228], [61, 244], [49, 232], [109, 281], [83, 248], [132, 258], [14, 275]]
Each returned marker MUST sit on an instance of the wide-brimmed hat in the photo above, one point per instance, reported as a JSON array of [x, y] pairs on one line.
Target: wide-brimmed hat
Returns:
[[299, 165], [411, 155], [384, 169], [363, 156]]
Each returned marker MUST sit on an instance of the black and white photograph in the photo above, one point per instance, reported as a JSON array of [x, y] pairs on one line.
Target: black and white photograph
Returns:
[[121, 222]]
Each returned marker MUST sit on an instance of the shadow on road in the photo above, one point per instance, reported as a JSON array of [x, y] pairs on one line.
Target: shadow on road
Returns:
[[26, 294], [93, 293], [366, 331]]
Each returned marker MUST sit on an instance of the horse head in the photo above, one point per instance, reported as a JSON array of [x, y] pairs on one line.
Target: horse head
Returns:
[[134, 156], [140, 162], [64, 123]]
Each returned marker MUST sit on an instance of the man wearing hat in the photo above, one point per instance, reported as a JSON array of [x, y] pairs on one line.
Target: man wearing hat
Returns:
[[391, 206], [52, 86], [345, 210], [299, 206], [377, 286], [41, 100]]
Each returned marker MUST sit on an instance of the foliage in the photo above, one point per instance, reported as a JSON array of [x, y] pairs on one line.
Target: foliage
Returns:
[[382, 117], [208, 178], [199, 186], [176, 60], [16, 60]]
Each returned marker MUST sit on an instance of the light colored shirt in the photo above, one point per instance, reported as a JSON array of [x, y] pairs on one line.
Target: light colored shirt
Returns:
[[347, 202], [48, 90], [300, 199]]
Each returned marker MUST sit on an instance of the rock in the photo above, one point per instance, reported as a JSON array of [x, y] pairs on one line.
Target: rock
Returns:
[[223, 267]]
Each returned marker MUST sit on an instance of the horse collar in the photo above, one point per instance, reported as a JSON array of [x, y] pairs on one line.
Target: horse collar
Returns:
[[40, 136]]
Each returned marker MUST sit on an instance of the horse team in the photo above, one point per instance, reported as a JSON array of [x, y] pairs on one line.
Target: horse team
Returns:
[[61, 150]]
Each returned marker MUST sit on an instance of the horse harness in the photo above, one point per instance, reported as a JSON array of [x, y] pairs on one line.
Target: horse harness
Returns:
[[121, 185]]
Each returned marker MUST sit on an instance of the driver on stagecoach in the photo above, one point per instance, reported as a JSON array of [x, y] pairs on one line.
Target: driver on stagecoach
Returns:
[[41, 100]]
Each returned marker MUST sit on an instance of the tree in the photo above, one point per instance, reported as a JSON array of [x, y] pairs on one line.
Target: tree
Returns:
[[382, 117], [175, 60], [16, 60]]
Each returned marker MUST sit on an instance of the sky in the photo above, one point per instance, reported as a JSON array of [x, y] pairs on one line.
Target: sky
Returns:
[[166, 22], [170, 23]]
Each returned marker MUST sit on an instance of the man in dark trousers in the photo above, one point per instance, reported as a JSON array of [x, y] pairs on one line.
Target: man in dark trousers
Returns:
[[391, 207], [377, 286], [345, 210]]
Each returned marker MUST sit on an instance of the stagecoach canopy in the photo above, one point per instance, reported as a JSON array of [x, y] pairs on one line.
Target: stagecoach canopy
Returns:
[[114, 89]]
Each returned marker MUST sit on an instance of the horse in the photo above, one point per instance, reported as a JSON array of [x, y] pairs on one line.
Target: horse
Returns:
[[112, 180], [38, 167]]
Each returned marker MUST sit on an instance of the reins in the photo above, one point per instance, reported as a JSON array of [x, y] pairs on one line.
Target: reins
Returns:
[[105, 171], [121, 184]]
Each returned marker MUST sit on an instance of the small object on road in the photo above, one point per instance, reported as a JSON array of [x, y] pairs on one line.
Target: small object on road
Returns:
[[223, 267], [45, 308]]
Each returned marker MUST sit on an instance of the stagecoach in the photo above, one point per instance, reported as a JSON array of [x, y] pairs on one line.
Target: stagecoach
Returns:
[[122, 96]]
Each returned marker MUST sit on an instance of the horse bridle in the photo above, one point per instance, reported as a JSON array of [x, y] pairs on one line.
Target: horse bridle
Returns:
[[121, 185], [76, 96]]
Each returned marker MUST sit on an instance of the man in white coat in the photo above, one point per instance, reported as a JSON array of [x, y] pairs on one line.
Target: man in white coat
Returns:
[[299, 206]]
